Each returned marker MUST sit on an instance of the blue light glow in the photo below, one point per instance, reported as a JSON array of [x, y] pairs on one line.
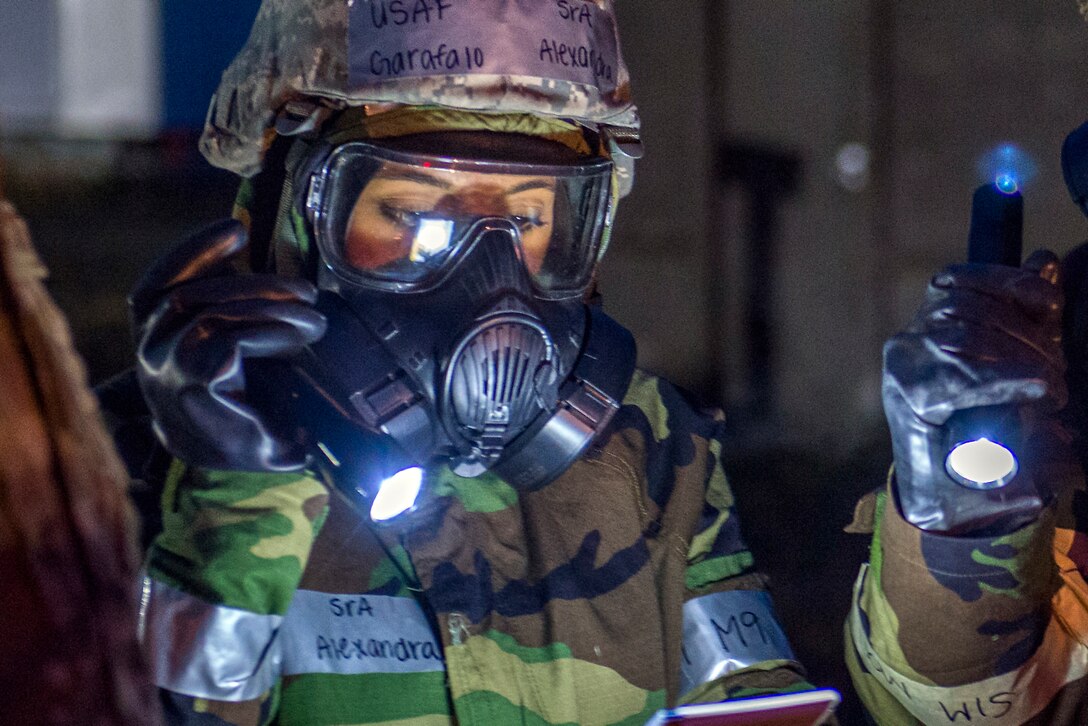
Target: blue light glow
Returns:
[[1007, 184], [1007, 167]]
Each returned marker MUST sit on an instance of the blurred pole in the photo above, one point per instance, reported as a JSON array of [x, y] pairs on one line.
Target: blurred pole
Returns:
[[3, 190], [767, 175], [716, 54]]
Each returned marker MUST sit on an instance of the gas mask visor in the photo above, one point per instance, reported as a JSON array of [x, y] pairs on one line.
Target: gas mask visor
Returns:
[[400, 221]]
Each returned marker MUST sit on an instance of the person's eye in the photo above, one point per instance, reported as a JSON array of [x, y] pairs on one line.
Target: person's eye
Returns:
[[526, 222], [528, 218], [403, 214]]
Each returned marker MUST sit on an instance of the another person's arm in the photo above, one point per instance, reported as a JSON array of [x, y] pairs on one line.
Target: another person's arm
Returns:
[[970, 608]]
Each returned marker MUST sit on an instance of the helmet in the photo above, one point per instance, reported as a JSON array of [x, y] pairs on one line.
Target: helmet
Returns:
[[306, 59]]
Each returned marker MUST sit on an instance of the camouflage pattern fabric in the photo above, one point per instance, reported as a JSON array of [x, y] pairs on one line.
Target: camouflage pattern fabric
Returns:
[[298, 52], [559, 606], [237, 539], [974, 630]]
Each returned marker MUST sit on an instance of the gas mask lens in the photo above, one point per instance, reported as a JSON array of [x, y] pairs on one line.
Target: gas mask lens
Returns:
[[402, 221]]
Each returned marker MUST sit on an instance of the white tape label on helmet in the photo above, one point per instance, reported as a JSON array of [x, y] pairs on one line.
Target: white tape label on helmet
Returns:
[[572, 41]]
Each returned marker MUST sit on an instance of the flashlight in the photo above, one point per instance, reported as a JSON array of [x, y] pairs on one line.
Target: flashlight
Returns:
[[397, 494], [366, 466], [997, 223], [981, 442]]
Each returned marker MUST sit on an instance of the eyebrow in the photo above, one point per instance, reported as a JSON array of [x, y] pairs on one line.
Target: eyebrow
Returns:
[[425, 178], [531, 184]]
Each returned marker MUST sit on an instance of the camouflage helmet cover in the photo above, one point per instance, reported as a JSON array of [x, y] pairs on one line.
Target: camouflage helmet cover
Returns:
[[557, 58]]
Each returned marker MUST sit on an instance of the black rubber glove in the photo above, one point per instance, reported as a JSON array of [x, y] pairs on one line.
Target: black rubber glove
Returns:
[[197, 318], [986, 335]]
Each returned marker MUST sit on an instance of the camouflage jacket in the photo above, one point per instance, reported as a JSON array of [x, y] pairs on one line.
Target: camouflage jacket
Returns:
[[973, 630], [567, 605]]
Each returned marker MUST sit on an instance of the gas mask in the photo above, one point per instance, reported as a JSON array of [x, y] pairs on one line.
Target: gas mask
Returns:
[[454, 291]]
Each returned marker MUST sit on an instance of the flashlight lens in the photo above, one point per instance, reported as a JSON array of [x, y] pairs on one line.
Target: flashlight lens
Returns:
[[981, 464], [397, 494]]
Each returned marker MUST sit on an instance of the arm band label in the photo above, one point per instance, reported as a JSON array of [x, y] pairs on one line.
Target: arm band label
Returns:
[[727, 631]]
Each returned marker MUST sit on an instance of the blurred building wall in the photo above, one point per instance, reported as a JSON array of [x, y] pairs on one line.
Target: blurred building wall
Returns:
[[969, 79], [29, 55], [80, 67], [114, 69], [924, 88], [653, 276]]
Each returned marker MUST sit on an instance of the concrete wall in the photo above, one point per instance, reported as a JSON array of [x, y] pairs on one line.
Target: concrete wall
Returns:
[[653, 278], [926, 87]]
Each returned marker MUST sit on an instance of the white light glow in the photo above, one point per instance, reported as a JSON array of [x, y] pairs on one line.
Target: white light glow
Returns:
[[432, 237], [397, 494], [852, 163], [982, 462]]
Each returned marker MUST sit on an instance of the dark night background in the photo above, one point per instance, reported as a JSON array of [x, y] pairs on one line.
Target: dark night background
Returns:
[[809, 166]]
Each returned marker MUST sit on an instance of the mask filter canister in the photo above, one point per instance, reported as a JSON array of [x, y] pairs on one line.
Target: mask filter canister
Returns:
[[501, 376]]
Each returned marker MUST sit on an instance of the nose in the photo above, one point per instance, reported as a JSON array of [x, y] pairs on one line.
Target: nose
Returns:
[[478, 200]]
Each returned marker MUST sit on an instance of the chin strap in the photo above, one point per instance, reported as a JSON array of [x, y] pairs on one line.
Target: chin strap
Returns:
[[588, 401], [361, 374]]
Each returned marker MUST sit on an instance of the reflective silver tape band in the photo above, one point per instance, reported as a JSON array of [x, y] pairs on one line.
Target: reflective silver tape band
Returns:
[[727, 631], [204, 650], [572, 41], [352, 634]]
